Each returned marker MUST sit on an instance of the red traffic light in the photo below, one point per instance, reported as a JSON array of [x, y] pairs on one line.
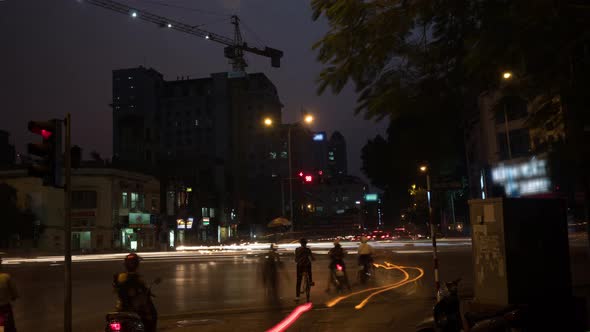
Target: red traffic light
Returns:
[[308, 178], [45, 129], [321, 172], [301, 174]]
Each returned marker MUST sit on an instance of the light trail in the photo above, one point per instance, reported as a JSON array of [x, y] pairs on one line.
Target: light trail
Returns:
[[289, 320], [402, 268], [381, 289], [344, 297]]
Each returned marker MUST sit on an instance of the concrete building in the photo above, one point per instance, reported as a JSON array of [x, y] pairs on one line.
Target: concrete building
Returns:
[[335, 203], [7, 153], [205, 134], [337, 155], [111, 209]]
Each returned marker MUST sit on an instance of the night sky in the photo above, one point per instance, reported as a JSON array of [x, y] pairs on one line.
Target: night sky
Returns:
[[56, 56]]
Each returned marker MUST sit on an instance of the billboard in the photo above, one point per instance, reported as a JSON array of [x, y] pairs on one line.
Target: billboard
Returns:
[[320, 136], [523, 178], [139, 218]]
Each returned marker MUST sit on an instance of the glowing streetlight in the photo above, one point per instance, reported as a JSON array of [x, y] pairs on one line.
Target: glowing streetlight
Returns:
[[507, 75], [423, 168], [134, 14], [308, 118], [169, 25], [268, 122]]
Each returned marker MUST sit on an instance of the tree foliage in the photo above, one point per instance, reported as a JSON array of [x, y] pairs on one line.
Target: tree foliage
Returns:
[[14, 222], [438, 55]]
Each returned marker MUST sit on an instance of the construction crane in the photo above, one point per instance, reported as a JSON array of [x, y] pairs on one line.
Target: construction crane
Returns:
[[234, 49]]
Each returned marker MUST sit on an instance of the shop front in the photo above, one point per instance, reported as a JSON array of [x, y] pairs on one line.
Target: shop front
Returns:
[[140, 233]]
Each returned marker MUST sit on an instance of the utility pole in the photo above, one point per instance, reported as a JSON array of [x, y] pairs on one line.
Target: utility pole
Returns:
[[68, 227], [290, 178]]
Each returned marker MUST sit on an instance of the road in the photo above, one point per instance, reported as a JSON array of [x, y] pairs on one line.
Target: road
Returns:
[[220, 290]]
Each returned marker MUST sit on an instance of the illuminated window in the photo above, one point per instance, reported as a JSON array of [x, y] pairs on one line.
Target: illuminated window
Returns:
[[273, 155], [196, 123], [131, 87], [124, 200], [284, 155]]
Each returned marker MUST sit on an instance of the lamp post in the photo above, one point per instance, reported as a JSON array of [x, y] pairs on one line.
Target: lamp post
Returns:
[[424, 169], [268, 122], [506, 76]]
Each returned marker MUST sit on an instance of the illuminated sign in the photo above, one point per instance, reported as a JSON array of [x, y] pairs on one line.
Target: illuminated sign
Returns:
[[319, 136], [525, 178], [180, 224], [371, 197], [189, 223], [206, 221], [139, 218]]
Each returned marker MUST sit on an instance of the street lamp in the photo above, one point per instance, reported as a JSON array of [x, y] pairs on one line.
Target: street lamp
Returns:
[[307, 119], [506, 76], [424, 169]]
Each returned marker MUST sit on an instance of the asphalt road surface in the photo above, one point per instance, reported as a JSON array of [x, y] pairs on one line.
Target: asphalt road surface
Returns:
[[221, 291]]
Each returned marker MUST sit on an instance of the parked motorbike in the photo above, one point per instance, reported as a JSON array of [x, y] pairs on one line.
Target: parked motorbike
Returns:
[[509, 319], [446, 315], [120, 321]]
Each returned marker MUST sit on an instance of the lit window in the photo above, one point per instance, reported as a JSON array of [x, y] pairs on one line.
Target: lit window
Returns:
[[284, 155], [131, 87], [196, 123], [212, 212], [129, 77], [273, 155], [124, 200], [204, 212]]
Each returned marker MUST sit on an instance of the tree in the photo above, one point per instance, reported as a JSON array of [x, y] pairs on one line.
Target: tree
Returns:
[[427, 57], [15, 223]]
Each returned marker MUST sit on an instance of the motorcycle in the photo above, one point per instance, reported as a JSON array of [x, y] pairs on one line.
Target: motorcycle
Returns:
[[339, 277], [446, 315], [120, 321], [6, 319], [511, 319], [365, 271]]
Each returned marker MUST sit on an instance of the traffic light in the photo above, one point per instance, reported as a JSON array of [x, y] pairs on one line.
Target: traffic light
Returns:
[[49, 165]]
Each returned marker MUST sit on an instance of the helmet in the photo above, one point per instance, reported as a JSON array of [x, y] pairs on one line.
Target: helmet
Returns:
[[364, 239], [303, 241], [131, 262]]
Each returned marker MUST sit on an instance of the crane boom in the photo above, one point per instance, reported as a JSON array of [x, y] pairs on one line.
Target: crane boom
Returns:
[[234, 49]]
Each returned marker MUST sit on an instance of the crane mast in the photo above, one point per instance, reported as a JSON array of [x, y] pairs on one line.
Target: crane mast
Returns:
[[234, 48]]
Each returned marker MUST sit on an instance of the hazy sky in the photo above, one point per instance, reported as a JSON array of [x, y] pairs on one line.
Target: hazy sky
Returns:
[[56, 56]]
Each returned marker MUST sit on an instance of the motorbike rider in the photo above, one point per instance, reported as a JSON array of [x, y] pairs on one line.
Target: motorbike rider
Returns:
[[133, 294], [365, 253], [336, 255], [270, 269], [303, 258], [8, 293]]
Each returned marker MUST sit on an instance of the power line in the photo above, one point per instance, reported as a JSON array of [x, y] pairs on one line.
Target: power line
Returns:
[[206, 12]]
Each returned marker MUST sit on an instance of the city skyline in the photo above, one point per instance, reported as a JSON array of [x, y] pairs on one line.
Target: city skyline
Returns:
[[48, 59]]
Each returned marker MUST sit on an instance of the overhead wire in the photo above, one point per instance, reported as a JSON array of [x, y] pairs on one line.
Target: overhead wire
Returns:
[[206, 12]]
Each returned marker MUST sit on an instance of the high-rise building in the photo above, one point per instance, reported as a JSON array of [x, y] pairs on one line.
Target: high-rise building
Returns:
[[203, 137], [337, 158], [7, 153]]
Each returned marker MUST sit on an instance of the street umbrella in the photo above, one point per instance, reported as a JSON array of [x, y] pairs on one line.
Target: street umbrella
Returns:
[[278, 222]]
